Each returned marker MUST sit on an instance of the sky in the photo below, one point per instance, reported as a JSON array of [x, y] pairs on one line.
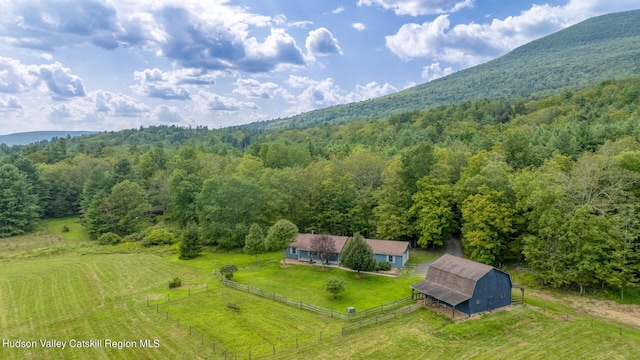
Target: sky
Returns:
[[108, 65]]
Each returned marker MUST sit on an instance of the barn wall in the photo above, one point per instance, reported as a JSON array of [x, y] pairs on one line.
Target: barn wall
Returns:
[[492, 291]]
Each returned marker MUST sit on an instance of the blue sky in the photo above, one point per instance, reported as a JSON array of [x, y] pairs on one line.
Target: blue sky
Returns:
[[110, 65]]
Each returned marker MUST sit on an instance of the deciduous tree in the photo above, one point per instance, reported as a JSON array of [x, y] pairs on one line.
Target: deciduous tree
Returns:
[[280, 235], [335, 286], [323, 246]]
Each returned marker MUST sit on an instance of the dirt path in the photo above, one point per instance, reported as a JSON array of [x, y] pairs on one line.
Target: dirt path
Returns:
[[452, 246], [603, 309]]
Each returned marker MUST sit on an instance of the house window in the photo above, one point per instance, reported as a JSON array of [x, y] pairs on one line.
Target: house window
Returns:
[[501, 296], [390, 258], [293, 250], [478, 301]]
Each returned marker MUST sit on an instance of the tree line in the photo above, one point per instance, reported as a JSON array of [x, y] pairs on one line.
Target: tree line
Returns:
[[551, 181]]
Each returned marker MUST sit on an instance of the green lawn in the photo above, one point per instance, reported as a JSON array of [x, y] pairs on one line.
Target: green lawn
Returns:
[[85, 294], [76, 231], [307, 283]]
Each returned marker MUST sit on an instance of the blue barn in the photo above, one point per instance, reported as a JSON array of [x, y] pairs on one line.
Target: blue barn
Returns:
[[465, 285]]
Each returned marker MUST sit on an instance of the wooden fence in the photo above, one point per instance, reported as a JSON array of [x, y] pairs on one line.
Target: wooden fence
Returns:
[[365, 314], [381, 318]]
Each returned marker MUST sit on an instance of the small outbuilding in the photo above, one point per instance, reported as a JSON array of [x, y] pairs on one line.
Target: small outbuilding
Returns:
[[467, 286]]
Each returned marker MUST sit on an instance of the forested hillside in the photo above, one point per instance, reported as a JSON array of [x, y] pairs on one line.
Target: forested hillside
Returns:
[[597, 49], [552, 182]]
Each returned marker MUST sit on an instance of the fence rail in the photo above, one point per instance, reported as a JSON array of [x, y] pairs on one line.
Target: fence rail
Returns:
[[381, 318], [365, 314]]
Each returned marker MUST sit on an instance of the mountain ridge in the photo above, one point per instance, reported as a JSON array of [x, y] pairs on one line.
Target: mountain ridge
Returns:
[[30, 137], [596, 49]]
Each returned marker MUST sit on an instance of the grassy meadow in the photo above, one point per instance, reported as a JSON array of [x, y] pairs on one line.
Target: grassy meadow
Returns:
[[56, 285]]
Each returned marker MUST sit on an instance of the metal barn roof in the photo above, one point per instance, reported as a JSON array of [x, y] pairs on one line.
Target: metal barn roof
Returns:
[[452, 279]]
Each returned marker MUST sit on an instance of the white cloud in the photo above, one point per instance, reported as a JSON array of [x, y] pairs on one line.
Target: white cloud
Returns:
[[359, 26], [419, 7], [371, 90], [433, 71], [115, 104], [317, 94], [155, 83], [474, 43], [14, 76], [168, 114], [321, 42], [210, 35], [54, 79], [210, 102], [10, 104], [252, 88], [337, 10]]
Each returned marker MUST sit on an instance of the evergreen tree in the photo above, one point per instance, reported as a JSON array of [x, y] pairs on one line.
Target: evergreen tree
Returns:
[[18, 203], [358, 255], [190, 246], [254, 242]]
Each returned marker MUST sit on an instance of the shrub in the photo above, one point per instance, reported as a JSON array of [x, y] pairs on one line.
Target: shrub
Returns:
[[65, 228], [228, 270], [383, 266], [159, 237], [135, 237], [109, 239], [175, 282], [335, 285]]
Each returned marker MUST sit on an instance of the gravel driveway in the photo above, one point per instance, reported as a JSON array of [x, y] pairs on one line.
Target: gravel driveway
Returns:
[[452, 246]]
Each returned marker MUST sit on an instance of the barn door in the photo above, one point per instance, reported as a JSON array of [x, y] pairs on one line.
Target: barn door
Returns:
[[490, 303]]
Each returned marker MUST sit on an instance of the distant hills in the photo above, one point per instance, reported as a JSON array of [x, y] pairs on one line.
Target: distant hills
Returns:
[[597, 49], [30, 137]]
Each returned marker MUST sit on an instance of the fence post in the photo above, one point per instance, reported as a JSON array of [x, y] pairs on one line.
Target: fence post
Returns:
[[189, 329], [274, 348]]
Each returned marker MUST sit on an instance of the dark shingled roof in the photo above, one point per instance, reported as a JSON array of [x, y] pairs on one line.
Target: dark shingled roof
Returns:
[[452, 279]]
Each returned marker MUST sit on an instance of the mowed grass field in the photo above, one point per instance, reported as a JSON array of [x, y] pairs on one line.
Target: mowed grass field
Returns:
[[57, 288]]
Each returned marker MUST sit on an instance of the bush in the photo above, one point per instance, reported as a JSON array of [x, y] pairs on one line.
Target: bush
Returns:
[[176, 282], [135, 237], [65, 228], [335, 285], [159, 237], [383, 266], [228, 270], [109, 239]]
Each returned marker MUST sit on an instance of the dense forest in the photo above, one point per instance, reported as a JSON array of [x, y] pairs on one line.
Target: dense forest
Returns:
[[552, 182]]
